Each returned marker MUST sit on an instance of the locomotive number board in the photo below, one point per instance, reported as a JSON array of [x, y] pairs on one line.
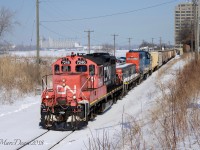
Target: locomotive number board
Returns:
[[81, 62]]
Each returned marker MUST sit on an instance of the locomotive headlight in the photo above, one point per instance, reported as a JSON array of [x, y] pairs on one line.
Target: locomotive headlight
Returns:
[[47, 96], [74, 96], [63, 80]]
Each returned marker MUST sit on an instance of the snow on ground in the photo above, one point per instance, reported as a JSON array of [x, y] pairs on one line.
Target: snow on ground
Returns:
[[19, 122]]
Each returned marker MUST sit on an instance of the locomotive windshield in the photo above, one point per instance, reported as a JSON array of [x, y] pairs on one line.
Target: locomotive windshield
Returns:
[[66, 68], [81, 68]]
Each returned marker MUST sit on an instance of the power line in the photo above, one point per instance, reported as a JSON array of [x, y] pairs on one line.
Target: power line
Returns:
[[54, 1], [52, 31], [114, 14], [75, 29], [60, 12]]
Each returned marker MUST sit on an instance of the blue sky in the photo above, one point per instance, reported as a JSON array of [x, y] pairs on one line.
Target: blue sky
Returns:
[[140, 25]]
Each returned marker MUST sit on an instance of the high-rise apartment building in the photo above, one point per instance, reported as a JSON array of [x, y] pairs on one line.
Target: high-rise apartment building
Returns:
[[183, 20]]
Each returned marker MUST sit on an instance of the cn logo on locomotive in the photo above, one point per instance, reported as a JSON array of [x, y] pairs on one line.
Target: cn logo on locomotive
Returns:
[[63, 90]]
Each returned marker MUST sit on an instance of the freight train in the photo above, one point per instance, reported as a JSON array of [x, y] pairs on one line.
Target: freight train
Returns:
[[84, 85]]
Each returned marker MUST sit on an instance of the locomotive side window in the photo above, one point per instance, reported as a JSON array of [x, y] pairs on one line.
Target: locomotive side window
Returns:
[[81, 68], [107, 74], [100, 71], [92, 70], [148, 56], [66, 68], [141, 56], [57, 69]]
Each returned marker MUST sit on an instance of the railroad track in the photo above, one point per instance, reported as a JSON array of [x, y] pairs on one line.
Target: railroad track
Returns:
[[60, 140], [33, 140], [43, 134]]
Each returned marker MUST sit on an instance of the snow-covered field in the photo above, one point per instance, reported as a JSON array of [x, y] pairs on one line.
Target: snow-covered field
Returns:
[[19, 121], [60, 53]]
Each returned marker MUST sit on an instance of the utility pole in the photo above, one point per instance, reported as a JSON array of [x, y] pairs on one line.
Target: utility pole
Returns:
[[169, 44], [152, 43], [161, 43], [37, 33], [89, 31], [192, 36], [114, 35], [198, 18], [129, 43], [196, 28]]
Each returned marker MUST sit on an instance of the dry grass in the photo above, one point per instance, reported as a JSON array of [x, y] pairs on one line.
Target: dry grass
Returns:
[[172, 115], [98, 143], [19, 75]]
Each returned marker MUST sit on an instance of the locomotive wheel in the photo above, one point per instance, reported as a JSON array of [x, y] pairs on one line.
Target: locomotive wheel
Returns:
[[92, 116], [46, 120], [121, 95], [139, 81], [147, 75], [114, 100]]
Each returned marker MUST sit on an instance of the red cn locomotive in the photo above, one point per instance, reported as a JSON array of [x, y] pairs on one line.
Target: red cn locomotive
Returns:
[[80, 87]]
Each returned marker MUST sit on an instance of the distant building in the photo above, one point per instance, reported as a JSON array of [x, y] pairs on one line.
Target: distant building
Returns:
[[59, 44], [183, 19]]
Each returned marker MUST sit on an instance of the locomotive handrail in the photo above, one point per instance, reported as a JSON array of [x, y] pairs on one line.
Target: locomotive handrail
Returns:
[[83, 86], [84, 83], [44, 81]]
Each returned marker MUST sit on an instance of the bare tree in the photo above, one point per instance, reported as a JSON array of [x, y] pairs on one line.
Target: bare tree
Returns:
[[185, 33], [6, 21], [144, 44], [106, 48], [6, 25]]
